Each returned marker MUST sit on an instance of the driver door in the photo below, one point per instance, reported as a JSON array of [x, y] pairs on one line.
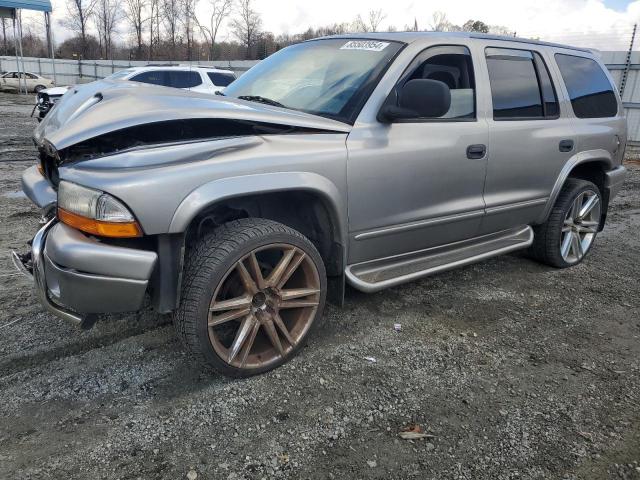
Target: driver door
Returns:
[[416, 183]]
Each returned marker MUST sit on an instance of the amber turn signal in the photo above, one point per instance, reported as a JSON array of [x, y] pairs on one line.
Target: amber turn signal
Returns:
[[99, 228]]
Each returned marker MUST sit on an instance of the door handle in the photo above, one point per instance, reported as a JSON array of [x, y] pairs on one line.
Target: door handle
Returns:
[[566, 145], [476, 152]]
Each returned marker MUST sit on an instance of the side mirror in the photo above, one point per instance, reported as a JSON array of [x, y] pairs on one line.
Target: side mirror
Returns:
[[418, 98]]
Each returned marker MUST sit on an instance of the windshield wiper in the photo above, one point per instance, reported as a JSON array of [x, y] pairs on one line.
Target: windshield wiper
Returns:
[[218, 92], [259, 99]]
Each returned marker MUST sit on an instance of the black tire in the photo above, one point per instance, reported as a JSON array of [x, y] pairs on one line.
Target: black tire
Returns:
[[547, 236], [39, 88], [208, 264]]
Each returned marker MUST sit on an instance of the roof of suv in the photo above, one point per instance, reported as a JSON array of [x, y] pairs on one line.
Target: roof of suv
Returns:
[[178, 67], [409, 37]]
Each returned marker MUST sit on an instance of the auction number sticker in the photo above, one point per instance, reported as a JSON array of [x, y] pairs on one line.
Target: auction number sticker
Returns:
[[371, 45]]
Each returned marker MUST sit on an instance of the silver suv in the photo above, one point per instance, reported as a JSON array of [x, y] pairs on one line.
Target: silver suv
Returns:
[[371, 161]]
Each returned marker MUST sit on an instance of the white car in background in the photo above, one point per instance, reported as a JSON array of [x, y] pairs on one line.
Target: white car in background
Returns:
[[193, 78], [16, 80], [46, 99]]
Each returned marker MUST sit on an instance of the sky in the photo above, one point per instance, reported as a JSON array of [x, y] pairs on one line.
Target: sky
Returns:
[[603, 24]]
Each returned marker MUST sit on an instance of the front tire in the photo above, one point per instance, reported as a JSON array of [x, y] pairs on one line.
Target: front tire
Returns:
[[571, 229], [39, 88], [252, 292]]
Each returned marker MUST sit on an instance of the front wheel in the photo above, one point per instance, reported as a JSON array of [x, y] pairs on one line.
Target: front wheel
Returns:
[[39, 88], [568, 234], [252, 293]]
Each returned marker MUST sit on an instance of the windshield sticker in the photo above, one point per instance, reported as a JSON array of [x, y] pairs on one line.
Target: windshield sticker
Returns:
[[371, 45]]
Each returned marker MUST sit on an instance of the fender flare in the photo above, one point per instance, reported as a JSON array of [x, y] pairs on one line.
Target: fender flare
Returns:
[[234, 187], [589, 156]]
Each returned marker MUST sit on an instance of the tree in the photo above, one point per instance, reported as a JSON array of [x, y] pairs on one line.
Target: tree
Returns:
[[134, 11], [77, 20], [220, 11], [440, 22], [246, 27], [375, 19], [187, 18], [171, 13], [108, 14], [475, 26], [154, 25], [5, 49]]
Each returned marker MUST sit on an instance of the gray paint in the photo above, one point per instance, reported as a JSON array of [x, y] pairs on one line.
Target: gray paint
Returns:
[[391, 189]]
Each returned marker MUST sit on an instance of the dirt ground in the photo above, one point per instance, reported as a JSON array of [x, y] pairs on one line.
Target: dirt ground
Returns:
[[517, 370]]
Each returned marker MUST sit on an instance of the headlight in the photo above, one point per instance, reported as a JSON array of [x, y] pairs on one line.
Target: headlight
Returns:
[[95, 212]]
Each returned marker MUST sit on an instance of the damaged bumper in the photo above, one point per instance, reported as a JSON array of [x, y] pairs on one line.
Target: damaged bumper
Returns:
[[77, 277], [38, 189]]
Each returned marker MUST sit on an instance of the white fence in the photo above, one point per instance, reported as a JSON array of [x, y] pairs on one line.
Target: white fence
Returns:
[[617, 65], [83, 71]]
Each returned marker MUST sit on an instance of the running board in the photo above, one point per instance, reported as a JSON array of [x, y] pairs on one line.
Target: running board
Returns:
[[387, 272]]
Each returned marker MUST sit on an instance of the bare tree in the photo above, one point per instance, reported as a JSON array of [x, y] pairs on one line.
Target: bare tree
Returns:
[[5, 49], [108, 14], [375, 19], [154, 25], [134, 11], [79, 12], [440, 22], [246, 27], [187, 18], [220, 11], [171, 14]]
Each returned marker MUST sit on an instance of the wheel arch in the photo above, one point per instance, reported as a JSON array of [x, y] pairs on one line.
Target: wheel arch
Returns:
[[590, 165], [308, 202]]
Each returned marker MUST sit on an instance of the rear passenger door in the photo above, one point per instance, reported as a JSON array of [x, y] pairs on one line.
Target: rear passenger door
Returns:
[[530, 139]]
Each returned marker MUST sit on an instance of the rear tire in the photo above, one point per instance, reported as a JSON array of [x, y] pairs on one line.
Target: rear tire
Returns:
[[567, 236], [252, 292]]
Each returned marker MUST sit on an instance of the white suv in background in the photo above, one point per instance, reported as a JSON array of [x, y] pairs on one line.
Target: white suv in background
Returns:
[[196, 79]]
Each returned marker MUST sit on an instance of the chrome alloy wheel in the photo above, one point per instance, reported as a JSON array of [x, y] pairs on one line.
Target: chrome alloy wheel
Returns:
[[580, 226], [264, 306]]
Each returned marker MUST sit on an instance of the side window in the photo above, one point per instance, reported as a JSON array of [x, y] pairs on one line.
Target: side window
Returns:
[[31, 76], [221, 79], [521, 87], [183, 79], [155, 77], [453, 66], [589, 88]]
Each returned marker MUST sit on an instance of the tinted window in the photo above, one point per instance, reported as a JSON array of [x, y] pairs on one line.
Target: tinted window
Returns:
[[589, 88], [155, 77], [514, 84], [183, 79], [221, 79]]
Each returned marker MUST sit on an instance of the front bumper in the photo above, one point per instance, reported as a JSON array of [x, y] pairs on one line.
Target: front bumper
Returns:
[[38, 189], [76, 277]]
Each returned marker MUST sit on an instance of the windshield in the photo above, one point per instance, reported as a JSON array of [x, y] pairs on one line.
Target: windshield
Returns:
[[120, 74], [332, 78]]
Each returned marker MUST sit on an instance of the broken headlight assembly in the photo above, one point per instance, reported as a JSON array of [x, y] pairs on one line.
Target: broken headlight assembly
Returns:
[[95, 212]]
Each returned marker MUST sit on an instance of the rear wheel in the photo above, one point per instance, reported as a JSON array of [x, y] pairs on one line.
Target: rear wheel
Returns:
[[568, 234], [253, 291]]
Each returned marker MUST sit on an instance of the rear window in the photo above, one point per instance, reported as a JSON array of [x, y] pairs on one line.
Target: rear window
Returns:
[[521, 87], [154, 77], [221, 79], [589, 88], [183, 79]]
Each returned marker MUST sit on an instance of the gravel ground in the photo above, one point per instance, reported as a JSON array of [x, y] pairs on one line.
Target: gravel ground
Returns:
[[514, 369]]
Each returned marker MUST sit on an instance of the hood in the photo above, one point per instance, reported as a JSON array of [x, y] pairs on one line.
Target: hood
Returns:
[[98, 108]]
